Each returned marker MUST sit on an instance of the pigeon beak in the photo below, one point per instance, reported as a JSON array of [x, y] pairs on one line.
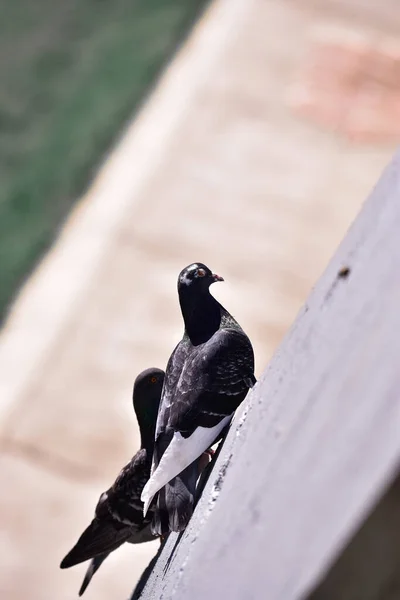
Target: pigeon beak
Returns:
[[217, 277]]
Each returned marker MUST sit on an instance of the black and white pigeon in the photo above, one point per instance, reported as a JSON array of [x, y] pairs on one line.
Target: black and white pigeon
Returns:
[[119, 511], [208, 375]]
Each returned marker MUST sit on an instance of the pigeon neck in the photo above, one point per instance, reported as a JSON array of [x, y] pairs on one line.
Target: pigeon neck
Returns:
[[146, 416], [147, 433], [201, 315]]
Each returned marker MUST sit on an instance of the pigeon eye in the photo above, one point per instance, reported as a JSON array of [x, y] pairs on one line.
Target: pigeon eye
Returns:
[[153, 379], [201, 273]]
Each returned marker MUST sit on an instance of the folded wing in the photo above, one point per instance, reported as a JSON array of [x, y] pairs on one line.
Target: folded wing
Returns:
[[213, 382]]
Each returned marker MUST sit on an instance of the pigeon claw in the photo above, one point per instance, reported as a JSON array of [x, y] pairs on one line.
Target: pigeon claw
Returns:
[[205, 459]]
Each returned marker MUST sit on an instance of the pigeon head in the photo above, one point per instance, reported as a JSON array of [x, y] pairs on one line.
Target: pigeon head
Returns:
[[146, 400], [200, 310], [196, 277]]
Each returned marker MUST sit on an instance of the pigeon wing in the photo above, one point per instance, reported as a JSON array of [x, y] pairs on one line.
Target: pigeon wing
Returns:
[[100, 537], [123, 498], [118, 515], [213, 383], [214, 380]]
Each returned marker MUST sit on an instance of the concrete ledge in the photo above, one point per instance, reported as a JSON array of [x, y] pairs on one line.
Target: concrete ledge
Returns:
[[317, 442]]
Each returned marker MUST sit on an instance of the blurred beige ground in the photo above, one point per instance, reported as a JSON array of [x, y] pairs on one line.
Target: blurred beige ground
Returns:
[[227, 164]]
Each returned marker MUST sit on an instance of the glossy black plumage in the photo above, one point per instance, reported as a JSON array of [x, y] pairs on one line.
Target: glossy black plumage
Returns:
[[207, 377], [119, 511]]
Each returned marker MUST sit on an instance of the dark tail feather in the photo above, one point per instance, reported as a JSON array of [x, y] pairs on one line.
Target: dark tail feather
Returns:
[[95, 564], [175, 502], [99, 538], [159, 523]]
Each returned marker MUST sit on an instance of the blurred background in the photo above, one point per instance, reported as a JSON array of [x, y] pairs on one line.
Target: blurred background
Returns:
[[136, 137]]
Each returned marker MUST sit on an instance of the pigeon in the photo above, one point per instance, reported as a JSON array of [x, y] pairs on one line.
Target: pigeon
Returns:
[[208, 375], [119, 512]]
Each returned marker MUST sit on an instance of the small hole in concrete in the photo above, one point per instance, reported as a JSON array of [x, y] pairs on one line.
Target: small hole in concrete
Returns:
[[344, 272]]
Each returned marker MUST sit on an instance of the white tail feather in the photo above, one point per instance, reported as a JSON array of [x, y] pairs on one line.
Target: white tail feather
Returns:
[[180, 454]]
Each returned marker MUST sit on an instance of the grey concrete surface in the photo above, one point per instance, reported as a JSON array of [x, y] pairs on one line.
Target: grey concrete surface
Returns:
[[369, 567], [317, 441]]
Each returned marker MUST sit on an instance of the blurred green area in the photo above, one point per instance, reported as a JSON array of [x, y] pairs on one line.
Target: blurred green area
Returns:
[[72, 72]]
